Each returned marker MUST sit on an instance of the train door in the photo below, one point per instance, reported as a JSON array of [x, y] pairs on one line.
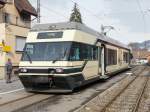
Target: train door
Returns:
[[99, 61], [102, 60], [120, 59]]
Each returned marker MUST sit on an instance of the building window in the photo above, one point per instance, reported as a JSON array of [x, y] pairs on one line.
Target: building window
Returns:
[[20, 43], [111, 57], [7, 18], [25, 17]]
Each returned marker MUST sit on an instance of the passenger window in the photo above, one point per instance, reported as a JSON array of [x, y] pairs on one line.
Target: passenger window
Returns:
[[95, 53], [111, 57], [126, 57], [74, 53], [81, 52], [86, 52]]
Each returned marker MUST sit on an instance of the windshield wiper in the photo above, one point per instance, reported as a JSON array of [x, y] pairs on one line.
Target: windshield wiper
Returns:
[[57, 59], [65, 53], [28, 56], [54, 61]]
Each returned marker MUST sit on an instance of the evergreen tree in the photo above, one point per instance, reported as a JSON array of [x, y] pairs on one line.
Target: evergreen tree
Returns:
[[75, 15]]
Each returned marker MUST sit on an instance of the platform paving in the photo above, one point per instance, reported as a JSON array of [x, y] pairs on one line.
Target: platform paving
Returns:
[[6, 87]]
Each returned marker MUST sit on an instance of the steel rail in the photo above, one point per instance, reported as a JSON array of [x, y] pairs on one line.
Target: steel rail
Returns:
[[104, 109], [15, 100], [140, 96], [23, 102]]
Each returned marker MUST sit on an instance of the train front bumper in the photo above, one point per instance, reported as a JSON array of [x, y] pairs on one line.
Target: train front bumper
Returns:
[[47, 83]]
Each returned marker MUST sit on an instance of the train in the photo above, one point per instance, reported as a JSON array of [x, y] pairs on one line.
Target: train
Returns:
[[60, 57]]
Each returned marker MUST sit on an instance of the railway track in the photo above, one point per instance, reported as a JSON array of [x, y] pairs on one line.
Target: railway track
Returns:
[[125, 96], [63, 102], [127, 100], [22, 102], [144, 103], [32, 99]]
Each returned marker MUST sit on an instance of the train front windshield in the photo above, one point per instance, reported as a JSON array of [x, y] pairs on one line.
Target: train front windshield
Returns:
[[46, 51], [59, 51]]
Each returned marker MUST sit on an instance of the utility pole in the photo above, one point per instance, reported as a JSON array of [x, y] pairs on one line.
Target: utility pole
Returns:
[[38, 11]]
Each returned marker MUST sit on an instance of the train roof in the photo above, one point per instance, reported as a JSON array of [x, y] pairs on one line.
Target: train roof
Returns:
[[77, 26]]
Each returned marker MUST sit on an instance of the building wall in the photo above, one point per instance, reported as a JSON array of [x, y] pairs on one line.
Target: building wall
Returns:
[[8, 32], [10, 8], [14, 17], [2, 54], [1, 15], [11, 33]]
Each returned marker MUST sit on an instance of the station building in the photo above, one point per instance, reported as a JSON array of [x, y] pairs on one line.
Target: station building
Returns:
[[15, 22]]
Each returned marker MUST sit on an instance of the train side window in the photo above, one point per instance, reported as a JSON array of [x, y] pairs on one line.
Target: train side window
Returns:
[[81, 52], [95, 53], [86, 52], [111, 57], [75, 53], [126, 57]]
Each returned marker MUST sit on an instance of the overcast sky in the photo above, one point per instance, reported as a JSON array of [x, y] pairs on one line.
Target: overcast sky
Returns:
[[130, 18]]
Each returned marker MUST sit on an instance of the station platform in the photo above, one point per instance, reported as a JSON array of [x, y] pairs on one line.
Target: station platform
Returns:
[[14, 85]]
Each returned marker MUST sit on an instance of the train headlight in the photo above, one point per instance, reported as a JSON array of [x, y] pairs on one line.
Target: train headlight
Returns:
[[59, 70], [23, 70]]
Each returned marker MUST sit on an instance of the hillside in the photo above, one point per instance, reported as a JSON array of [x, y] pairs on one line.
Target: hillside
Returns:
[[142, 45]]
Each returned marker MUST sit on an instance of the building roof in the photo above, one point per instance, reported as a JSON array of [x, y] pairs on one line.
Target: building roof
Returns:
[[140, 54], [77, 26], [24, 6], [2, 2]]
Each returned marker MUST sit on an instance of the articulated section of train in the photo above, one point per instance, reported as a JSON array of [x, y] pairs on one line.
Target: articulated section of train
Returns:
[[63, 56]]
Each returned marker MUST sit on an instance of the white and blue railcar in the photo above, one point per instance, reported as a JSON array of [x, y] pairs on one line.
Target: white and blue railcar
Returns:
[[63, 56]]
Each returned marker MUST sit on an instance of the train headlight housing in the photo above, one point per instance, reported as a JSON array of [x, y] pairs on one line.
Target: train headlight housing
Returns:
[[59, 70], [23, 70]]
